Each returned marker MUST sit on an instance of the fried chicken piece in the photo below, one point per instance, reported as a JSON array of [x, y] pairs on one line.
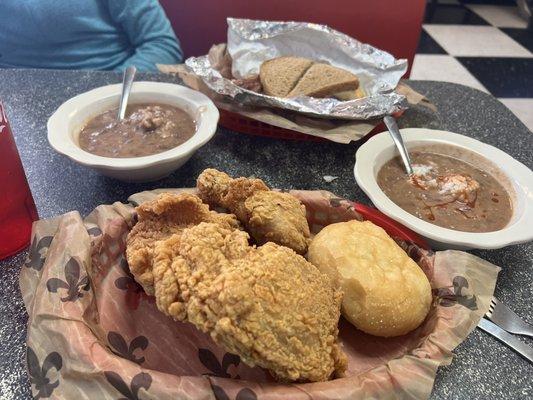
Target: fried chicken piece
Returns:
[[268, 215], [160, 218], [279, 218], [218, 188], [267, 304]]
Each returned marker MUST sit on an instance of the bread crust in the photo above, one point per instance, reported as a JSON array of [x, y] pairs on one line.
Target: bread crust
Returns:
[[323, 80]]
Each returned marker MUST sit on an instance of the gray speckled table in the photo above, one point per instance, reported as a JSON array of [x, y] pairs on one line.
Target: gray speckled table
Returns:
[[483, 368]]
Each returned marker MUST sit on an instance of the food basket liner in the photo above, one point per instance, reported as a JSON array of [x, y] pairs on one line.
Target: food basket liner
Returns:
[[93, 332]]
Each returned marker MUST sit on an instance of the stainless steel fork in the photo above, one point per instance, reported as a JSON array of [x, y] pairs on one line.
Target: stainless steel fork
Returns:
[[506, 319]]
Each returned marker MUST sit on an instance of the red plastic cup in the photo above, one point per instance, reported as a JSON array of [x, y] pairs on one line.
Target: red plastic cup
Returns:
[[17, 209]]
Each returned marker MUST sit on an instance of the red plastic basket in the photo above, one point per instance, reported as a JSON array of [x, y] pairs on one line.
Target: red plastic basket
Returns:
[[392, 227], [242, 124]]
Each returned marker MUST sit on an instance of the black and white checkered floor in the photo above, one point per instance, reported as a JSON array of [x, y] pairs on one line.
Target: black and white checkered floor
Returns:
[[484, 46]]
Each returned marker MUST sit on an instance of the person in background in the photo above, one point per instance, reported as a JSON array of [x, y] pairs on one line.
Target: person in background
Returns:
[[86, 34]]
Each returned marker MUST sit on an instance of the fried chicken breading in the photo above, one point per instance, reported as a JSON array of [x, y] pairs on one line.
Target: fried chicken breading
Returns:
[[279, 218], [160, 218], [267, 304], [268, 215]]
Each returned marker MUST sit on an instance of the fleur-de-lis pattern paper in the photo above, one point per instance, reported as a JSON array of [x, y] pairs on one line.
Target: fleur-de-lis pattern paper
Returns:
[[35, 252], [41, 376], [93, 332], [73, 284], [118, 345]]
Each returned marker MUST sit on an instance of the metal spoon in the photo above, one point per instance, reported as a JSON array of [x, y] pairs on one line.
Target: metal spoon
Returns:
[[127, 83], [394, 131]]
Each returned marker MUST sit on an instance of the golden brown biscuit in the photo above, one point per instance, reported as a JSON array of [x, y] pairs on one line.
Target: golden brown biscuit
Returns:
[[385, 292]]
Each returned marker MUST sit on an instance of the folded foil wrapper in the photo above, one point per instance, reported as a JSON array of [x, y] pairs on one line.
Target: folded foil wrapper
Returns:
[[251, 42]]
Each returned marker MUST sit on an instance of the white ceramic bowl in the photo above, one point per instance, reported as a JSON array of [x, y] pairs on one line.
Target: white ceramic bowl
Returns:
[[66, 123], [513, 175]]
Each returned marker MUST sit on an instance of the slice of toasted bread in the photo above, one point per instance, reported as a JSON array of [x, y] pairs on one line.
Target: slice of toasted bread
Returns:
[[348, 95], [345, 95], [323, 80], [280, 75]]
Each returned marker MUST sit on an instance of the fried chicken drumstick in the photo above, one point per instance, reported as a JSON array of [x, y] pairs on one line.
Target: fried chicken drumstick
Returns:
[[268, 215], [267, 304]]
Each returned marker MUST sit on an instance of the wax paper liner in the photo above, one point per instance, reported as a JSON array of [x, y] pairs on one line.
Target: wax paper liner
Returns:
[[93, 333]]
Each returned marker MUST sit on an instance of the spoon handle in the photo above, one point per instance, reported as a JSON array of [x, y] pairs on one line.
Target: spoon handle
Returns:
[[127, 83], [390, 122]]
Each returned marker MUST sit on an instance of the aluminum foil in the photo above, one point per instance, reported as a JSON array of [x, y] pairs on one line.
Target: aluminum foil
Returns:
[[251, 42]]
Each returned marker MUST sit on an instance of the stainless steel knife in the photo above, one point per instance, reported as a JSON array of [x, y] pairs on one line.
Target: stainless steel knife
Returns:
[[514, 343]]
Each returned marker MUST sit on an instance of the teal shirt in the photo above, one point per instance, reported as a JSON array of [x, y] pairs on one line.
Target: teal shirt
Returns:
[[86, 34]]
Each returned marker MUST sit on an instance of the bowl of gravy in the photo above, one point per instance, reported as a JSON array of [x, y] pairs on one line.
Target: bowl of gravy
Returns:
[[164, 125], [463, 193]]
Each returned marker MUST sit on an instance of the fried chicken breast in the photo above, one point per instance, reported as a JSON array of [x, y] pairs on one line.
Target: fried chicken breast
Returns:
[[160, 218], [267, 304], [268, 215]]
